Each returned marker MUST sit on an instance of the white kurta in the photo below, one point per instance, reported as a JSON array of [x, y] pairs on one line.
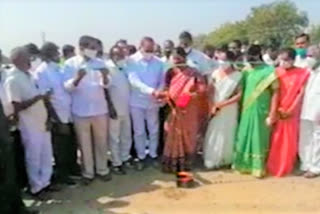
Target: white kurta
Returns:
[[219, 139], [309, 142]]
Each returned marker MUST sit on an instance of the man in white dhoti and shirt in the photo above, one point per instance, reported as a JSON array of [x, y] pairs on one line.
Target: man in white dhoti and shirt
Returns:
[[32, 116], [146, 77], [195, 58], [120, 137], [309, 144], [86, 77]]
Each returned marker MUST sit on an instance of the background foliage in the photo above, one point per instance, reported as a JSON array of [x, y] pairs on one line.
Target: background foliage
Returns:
[[271, 24]]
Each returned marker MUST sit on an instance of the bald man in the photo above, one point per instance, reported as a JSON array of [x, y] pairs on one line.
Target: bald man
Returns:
[[29, 106], [309, 144], [146, 77]]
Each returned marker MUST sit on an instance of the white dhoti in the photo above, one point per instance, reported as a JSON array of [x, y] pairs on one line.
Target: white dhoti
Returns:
[[151, 116], [309, 146], [120, 139], [39, 157]]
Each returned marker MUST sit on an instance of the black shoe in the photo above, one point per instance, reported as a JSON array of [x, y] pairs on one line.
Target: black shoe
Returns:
[[118, 170], [53, 188], [28, 211], [128, 164], [140, 165], [42, 195], [155, 163], [70, 182], [76, 175], [105, 178], [86, 181]]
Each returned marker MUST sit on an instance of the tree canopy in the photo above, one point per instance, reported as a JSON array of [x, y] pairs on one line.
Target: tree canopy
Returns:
[[272, 24]]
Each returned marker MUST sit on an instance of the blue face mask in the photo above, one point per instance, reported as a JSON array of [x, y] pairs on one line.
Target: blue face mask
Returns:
[[302, 52]]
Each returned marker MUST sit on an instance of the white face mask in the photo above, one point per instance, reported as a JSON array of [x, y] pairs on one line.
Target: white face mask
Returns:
[[147, 56], [311, 62], [34, 64], [121, 63], [224, 64], [187, 50], [90, 53]]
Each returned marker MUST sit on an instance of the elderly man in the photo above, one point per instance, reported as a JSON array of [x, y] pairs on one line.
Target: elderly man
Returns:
[[34, 52], [49, 77], [195, 58], [309, 144], [10, 198], [32, 115], [146, 76], [86, 76]]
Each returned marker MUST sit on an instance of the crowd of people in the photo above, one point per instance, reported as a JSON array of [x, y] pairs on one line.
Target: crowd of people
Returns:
[[89, 114]]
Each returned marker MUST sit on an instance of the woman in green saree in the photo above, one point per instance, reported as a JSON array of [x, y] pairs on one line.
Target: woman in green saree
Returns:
[[257, 115]]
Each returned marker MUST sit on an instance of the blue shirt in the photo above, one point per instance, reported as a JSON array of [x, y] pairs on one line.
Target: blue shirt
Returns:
[[49, 77], [145, 76], [88, 97]]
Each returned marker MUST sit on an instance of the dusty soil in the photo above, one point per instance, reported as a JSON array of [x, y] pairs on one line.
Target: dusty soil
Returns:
[[220, 192]]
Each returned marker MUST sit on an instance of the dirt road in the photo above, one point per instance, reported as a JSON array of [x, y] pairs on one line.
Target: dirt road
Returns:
[[152, 192]]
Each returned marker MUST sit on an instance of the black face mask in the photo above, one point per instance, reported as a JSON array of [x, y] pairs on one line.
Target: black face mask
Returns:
[[167, 53]]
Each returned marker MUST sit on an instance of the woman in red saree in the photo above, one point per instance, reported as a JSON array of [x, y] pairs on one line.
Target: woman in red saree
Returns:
[[284, 141], [185, 90]]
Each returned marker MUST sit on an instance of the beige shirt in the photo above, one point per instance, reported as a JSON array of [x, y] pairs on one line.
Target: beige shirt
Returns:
[[20, 86]]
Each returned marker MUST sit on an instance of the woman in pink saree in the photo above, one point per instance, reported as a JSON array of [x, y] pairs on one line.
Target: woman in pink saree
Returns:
[[185, 90], [284, 141]]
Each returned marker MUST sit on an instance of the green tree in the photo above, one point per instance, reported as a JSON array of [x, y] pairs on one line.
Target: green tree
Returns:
[[273, 24], [227, 32], [199, 41], [278, 21], [315, 34]]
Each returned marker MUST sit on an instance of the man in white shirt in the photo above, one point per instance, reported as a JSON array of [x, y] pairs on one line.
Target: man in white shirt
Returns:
[[302, 42], [309, 144], [49, 77], [85, 77], [195, 58], [168, 47], [30, 109], [146, 77], [34, 52], [120, 139]]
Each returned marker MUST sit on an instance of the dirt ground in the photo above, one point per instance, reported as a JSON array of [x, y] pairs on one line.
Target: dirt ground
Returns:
[[220, 192]]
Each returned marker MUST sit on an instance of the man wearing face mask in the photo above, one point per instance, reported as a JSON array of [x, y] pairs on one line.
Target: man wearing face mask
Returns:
[[49, 77], [120, 128], [195, 58], [86, 77], [309, 143], [168, 47], [34, 52], [32, 116], [301, 45], [146, 77]]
